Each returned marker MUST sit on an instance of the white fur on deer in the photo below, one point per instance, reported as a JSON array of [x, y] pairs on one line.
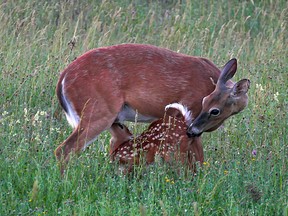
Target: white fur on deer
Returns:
[[113, 84]]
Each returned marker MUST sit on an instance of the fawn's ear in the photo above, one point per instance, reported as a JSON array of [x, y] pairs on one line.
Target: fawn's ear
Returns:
[[174, 112]]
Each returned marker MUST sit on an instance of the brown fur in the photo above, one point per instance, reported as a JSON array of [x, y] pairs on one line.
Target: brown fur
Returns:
[[165, 137], [100, 82]]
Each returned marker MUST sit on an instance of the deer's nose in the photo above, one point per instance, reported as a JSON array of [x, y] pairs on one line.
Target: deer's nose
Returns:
[[191, 135], [193, 132]]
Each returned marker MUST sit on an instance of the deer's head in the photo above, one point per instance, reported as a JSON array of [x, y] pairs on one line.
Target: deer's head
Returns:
[[226, 100]]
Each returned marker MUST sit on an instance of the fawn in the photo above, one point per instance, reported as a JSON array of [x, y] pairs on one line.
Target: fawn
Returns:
[[166, 137]]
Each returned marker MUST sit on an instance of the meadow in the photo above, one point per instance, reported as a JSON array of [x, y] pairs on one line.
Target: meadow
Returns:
[[245, 170]]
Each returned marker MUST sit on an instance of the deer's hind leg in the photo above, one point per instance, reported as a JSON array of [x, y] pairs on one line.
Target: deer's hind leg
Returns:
[[93, 121]]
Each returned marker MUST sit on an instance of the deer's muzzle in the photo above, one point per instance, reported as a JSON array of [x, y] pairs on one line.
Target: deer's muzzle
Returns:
[[193, 132]]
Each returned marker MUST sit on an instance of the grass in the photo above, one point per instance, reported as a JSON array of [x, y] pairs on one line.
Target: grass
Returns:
[[39, 39]]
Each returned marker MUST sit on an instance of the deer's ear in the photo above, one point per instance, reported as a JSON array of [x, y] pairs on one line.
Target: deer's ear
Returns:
[[227, 72], [240, 88]]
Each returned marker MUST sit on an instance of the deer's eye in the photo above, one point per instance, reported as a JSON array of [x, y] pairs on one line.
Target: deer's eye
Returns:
[[214, 112], [121, 126]]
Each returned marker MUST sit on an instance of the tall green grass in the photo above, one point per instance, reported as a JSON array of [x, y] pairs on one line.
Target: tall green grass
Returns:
[[39, 39]]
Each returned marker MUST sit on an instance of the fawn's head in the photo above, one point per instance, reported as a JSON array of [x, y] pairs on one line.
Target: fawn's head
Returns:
[[119, 134]]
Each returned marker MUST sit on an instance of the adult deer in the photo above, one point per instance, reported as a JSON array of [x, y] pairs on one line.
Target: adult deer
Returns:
[[113, 84], [166, 137]]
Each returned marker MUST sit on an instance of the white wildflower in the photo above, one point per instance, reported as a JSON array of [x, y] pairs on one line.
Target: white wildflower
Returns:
[[43, 113], [276, 96], [260, 87], [5, 113]]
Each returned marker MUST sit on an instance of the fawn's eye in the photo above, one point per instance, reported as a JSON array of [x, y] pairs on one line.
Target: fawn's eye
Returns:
[[214, 112]]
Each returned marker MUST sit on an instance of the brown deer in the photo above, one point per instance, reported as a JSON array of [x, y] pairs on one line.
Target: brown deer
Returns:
[[166, 137], [114, 84]]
